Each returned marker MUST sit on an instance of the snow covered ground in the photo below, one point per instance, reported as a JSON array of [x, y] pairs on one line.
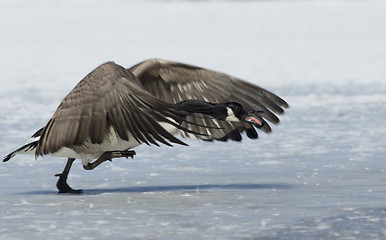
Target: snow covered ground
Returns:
[[319, 175]]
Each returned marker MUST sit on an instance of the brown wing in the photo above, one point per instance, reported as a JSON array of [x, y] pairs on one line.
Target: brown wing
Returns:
[[110, 96], [174, 82]]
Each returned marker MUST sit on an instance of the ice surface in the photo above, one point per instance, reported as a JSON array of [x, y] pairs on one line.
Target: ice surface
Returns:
[[319, 175]]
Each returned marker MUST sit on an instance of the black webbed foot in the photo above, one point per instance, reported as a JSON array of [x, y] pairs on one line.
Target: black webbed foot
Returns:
[[63, 187], [108, 156]]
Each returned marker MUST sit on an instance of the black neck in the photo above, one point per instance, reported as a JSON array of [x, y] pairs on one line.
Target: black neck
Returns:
[[218, 111]]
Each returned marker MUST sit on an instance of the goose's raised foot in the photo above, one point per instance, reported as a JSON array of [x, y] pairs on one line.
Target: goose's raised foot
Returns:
[[108, 156]]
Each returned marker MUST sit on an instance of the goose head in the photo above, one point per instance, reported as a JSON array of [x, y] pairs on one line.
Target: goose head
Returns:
[[237, 113]]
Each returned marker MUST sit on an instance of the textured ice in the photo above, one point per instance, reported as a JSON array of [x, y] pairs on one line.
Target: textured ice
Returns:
[[319, 175]]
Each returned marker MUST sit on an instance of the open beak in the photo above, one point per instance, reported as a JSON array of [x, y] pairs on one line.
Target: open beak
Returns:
[[251, 118]]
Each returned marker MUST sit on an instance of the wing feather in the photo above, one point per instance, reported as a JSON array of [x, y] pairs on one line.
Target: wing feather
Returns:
[[110, 98], [174, 82]]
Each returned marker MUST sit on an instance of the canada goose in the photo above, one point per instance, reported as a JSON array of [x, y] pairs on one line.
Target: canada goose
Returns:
[[114, 109]]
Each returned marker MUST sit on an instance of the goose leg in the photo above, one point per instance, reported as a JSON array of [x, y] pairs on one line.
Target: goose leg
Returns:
[[108, 156], [62, 185]]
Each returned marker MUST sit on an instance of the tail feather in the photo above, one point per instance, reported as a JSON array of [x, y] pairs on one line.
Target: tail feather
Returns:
[[24, 149], [27, 148], [38, 133]]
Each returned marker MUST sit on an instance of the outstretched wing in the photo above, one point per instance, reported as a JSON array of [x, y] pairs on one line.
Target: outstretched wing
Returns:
[[173, 82], [109, 98]]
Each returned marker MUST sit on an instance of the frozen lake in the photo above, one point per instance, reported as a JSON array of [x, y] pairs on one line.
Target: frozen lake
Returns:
[[319, 175]]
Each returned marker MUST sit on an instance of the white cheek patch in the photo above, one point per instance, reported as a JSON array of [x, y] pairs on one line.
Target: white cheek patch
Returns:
[[231, 116]]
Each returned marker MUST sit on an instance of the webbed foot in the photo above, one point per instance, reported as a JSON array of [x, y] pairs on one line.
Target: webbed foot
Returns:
[[63, 187]]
